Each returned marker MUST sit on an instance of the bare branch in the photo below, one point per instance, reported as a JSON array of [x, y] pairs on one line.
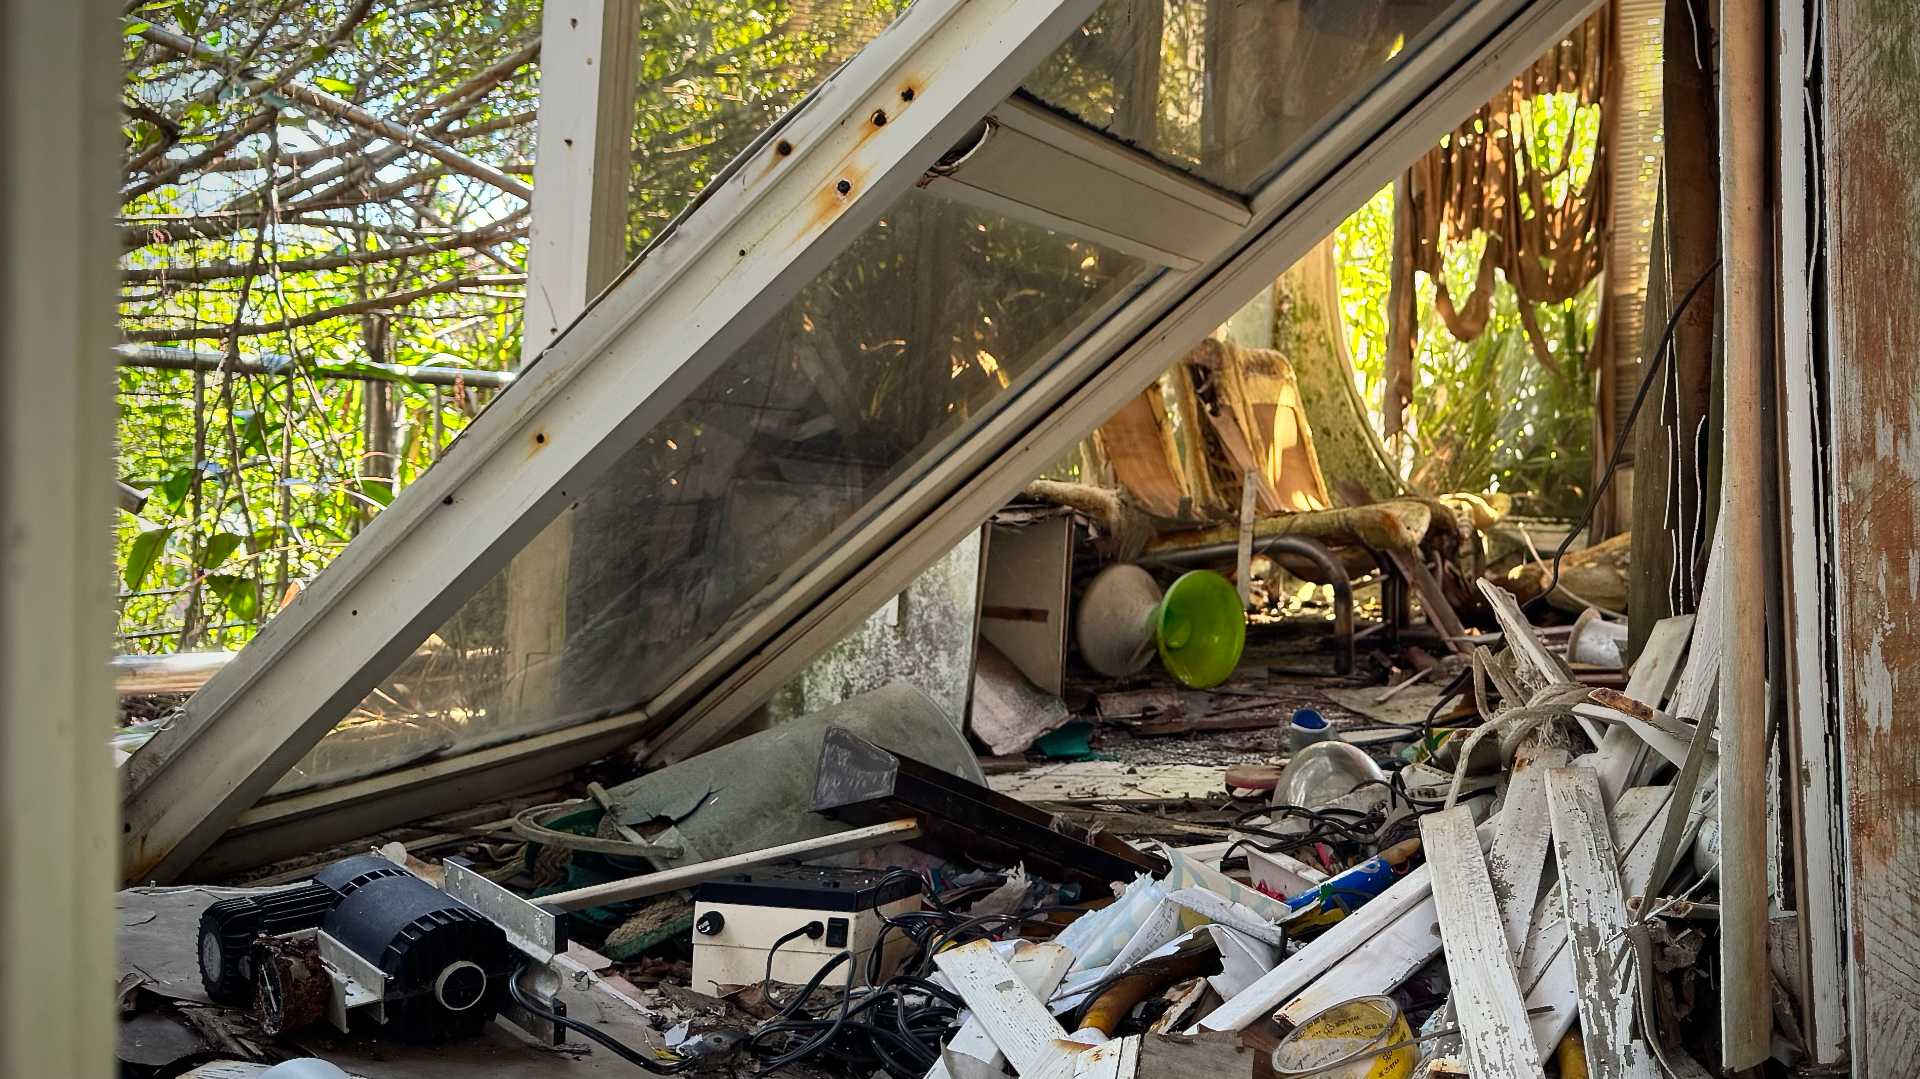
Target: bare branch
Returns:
[[216, 271], [376, 303], [354, 114], [253, 126]]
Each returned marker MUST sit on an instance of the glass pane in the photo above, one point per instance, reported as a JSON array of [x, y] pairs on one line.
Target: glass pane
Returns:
[[910, 338], [1225, 88], [711, 77]]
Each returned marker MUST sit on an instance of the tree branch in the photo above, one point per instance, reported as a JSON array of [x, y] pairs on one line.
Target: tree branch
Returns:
[[220, 145], [376, 303], [349, 112], [216, 271]]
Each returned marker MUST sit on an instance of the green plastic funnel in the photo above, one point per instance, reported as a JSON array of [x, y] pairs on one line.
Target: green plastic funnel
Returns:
[[1200, 629]]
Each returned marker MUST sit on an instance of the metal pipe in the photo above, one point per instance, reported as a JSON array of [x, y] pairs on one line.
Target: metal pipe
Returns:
[[167, 358], [1312, 550]]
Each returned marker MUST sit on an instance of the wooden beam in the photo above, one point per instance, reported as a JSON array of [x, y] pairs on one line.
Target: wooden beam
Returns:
[[1748, 505], [1596, 915], [1486, 997]]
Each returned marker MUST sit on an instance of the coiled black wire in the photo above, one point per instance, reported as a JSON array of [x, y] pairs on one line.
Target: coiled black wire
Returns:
[[896, 1024]]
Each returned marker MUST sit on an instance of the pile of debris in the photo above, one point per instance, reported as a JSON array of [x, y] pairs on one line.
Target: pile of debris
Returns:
[[1523, 887]]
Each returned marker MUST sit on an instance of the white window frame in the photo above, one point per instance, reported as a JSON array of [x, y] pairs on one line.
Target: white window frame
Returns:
[[748, 249]]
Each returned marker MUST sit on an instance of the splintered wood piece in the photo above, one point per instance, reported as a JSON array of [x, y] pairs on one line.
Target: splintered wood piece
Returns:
[[1596, 915], [1117, 1059], [1517, 861], [1486, 995], [1537, 667]]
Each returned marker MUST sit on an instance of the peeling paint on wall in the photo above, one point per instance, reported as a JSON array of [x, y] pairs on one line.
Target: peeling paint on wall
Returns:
[[1872, 154]]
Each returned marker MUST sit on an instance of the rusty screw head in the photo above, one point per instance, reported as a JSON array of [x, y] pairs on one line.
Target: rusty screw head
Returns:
[[844, 187], [879, 117]]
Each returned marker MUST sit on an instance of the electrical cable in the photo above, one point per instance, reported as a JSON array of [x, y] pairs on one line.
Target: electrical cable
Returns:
[[594, 1034], [811, 931], [1653, 365], [896, 1026]]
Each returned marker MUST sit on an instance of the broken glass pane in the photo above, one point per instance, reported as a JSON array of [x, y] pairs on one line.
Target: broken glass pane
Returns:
[[1226, 88], [913, 336]]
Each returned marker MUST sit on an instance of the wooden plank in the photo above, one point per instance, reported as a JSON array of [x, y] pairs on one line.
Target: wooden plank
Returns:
[[1596, 915], [672, 880], [1486, 996], [1695, 787], [1546, 970], [1624, 755], [1658, 663], [1040, 967], [1818, 844], [1215, 1056], [1017, 1020], [1300, 969], [1700, 675], [1873, 465], [1517, 861], [1381, 965]]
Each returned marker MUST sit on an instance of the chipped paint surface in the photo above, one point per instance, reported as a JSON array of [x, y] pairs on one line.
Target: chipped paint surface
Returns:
[[1596, 919], [1873, 160], [1487, 1000]]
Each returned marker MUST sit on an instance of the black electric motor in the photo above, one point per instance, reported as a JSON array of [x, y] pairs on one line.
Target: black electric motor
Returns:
[[446, 964]]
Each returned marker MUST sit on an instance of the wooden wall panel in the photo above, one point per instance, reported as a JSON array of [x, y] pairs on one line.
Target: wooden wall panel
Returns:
[[1872, 152]]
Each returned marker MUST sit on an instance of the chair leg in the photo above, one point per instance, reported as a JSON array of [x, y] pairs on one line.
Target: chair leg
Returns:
[[1336, 575]]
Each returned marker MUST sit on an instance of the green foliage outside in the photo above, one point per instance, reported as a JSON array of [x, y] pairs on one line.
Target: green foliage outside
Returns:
[[1486, 414], [258, 225]]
